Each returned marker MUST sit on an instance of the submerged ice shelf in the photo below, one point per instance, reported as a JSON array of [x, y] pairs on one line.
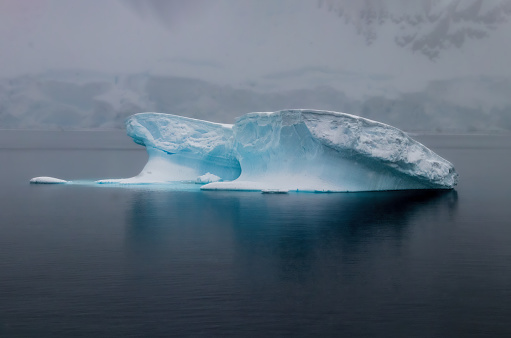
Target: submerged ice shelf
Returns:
[[289, 150]]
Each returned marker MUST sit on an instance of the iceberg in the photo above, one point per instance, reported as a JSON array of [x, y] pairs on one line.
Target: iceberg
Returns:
[[288, 150]]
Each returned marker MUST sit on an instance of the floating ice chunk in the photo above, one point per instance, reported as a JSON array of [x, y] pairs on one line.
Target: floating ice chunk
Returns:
[[47, 180], [289, 150], [207, 178]]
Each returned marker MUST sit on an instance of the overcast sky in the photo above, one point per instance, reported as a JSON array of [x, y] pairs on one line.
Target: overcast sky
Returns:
[[236, 42]]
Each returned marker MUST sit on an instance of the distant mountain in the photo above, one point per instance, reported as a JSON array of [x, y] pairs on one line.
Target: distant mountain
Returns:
[[427, 26], [77, 100]]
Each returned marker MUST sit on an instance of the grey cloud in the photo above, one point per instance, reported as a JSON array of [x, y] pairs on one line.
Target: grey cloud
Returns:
[[428, 26], [194, 62], [168, 12], [306, 70]]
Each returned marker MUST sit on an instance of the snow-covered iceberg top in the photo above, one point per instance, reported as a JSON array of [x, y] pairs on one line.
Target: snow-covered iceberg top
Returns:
[[304, 150]]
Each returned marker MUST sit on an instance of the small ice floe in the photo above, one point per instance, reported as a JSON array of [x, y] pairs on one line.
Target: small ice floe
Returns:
[[47, 180], [207, 178], [274, 191]]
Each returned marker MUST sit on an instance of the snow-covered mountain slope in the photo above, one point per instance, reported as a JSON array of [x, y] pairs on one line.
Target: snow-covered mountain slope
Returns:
[[78, 101], [70, 100], [428, 26]]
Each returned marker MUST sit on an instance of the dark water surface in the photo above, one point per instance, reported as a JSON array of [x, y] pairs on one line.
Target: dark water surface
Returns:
[[90, 261]]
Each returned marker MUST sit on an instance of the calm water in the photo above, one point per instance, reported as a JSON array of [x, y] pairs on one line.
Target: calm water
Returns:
[[98, 261]]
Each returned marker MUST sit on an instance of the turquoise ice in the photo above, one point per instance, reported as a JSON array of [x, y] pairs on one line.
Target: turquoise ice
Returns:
[[288, 150]]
